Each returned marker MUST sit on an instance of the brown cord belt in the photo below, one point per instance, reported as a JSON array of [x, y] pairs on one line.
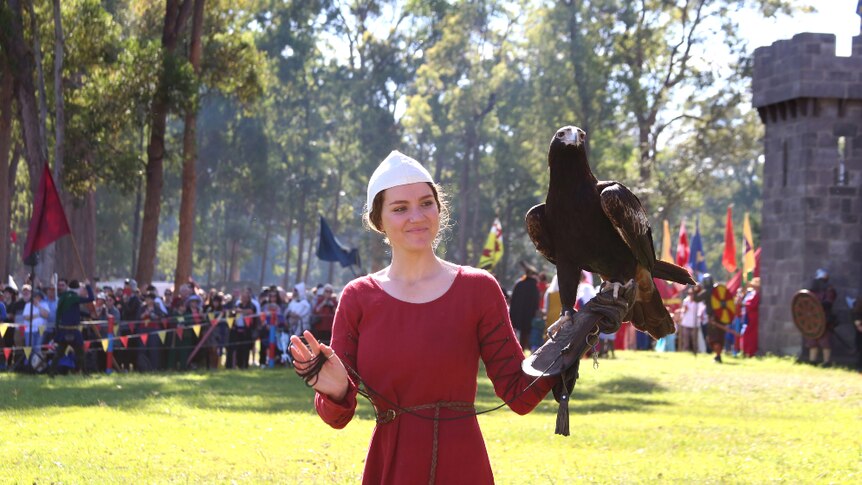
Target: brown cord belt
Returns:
[[389, 415]]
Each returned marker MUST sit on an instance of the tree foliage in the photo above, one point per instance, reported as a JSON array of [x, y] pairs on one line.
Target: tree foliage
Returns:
[[298, 101]]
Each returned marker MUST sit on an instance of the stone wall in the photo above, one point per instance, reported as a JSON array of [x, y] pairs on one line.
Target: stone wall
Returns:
[[809, 99]]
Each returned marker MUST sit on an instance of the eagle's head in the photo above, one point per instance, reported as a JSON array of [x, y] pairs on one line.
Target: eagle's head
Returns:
[[568, 146]]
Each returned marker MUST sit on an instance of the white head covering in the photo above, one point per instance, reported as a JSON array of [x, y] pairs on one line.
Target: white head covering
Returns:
[[300, 289], [396, 169]]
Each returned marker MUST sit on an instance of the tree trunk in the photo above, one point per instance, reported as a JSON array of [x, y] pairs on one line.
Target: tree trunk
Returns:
[[185, 244], [59, 104], [175, 18], [286, 278], [15, 47], [308, 257], [264, 254], [6, 96]]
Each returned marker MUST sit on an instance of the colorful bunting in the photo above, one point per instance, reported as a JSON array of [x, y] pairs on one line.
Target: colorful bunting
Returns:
[[3, 327], [144, 337], [163, 334], [179, 332], [230, 321], [124, 341], [7, 352], [211, 316], [105, 344], [41, 330], [27, 352], [197, 329]]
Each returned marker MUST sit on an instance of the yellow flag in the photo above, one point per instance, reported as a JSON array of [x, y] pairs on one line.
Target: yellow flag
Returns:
[[493, 249], [197, 329], [210, 316], [41, 330], [3, 327], [163, 334], [105, 344], [230, 321], [27, 351], [665, 244], [747, 250]]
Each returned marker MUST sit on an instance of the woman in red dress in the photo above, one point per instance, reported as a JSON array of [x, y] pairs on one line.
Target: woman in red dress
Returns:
[[412, 335]]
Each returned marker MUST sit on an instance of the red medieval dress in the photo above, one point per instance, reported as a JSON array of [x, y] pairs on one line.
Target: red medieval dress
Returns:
[[425, 357], [751, 302]]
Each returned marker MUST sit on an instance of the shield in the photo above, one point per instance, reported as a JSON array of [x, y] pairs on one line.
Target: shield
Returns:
[[808, 314], [722, 304]]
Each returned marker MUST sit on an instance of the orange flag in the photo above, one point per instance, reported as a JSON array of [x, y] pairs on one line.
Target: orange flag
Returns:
[[728, 260]]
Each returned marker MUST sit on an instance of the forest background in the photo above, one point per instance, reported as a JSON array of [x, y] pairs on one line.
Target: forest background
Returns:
[[204, 137]]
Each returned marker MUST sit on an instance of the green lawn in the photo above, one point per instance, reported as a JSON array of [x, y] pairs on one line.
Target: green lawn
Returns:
[[642, 418]]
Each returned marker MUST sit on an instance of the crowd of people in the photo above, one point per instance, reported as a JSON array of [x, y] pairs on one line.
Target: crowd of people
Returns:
[[72, 326], [698, 329]]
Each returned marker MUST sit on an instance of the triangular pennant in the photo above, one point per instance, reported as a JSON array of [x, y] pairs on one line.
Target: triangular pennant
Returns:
[[7, 352], [197, 329], [3, 327], [124, 341], [86, 346], [210, 316], [131, 328], [181, 319], [179, 332], [230, 321], [41, 330], [27, 352], [163, 334], [144, 338], [105, 344]]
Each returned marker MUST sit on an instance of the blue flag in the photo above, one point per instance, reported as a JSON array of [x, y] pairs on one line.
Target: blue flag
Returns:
[[697, 260], [330, 249]]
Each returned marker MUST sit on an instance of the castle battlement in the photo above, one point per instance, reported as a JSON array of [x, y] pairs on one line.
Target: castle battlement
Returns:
[[806, 67]]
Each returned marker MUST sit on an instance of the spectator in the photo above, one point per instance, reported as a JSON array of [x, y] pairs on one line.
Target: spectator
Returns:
[[323, 314], [751, 318], [827, 295], [241, 341], [298, 312], [69, 323], [525, 302], [152, 316], [40, 313], [693, 313]]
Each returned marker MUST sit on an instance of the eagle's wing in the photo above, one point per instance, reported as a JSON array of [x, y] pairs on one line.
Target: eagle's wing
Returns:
[[537, 229], [628, 217]]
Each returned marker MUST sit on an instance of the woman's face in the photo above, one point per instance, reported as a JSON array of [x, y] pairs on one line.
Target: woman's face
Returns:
[[410, 216]]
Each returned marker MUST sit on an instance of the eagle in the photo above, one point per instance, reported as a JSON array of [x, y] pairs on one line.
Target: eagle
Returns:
[[601, 227]]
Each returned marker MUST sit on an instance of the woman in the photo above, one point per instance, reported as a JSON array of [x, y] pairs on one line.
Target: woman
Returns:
[[413, 334]]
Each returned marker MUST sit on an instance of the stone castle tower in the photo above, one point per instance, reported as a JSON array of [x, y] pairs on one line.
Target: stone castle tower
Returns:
[[810, 102]]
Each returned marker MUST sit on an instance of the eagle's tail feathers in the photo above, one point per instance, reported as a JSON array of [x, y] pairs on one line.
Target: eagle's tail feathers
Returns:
[[672, 272]]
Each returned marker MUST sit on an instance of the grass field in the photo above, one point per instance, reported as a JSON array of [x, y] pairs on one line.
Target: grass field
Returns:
[[642, 418]]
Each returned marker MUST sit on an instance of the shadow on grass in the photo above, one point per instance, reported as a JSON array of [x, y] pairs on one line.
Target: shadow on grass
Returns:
[[264, 391], [620, 394]]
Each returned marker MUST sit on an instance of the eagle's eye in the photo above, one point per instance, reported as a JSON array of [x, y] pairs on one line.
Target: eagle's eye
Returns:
[[561, 134]]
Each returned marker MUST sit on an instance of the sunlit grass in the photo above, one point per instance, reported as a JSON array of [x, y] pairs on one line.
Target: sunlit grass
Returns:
[[643, 417]]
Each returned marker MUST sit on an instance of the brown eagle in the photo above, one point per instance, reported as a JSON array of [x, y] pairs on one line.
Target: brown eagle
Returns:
[[601, 227]]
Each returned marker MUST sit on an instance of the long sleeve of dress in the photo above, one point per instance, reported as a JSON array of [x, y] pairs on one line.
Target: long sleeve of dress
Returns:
[[344, 342], [502, 355]]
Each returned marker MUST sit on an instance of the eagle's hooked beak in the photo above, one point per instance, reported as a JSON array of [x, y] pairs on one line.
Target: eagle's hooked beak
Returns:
[[571, 135]]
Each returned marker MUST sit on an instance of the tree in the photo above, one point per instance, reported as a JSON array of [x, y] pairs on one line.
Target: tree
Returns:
[[177, 13], [187, 202]]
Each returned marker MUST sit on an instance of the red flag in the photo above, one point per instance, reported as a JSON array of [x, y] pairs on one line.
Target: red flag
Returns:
[[682, 251], [125, 341], [49, 221], [728, 260]]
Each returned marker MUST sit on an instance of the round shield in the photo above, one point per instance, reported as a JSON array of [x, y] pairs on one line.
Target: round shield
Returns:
[[721, 302], [808, 314]]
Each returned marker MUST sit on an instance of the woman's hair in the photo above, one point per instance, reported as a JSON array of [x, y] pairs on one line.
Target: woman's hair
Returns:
[[373, 218]]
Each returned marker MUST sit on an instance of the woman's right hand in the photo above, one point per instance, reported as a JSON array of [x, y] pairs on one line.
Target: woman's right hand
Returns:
[[332, 379]]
